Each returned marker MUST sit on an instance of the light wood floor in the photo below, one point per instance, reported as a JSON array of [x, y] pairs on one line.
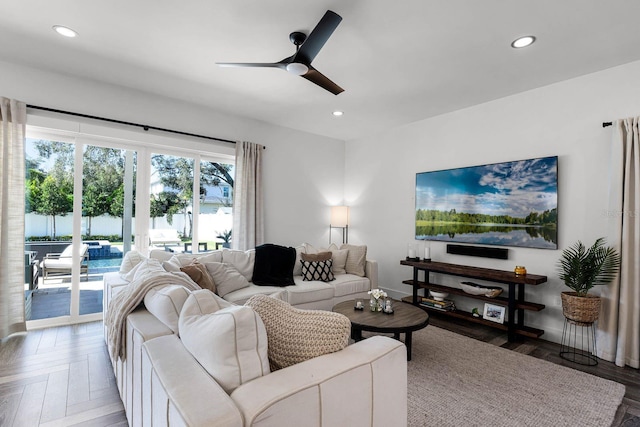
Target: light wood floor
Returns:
[[62, 376], [58, 377]]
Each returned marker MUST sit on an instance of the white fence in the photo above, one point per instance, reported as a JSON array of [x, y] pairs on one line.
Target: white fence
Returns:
[[210, 225]]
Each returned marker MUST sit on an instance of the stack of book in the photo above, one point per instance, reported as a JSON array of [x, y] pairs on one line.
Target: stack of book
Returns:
[[444, 305]]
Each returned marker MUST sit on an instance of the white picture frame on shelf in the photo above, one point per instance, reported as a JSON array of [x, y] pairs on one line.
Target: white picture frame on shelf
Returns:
[[494, 313]]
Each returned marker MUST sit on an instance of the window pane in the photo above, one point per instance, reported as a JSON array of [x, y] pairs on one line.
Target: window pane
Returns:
[[216, 202]]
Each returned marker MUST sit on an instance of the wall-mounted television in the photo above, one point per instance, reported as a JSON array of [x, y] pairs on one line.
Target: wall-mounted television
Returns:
[[507, 204]]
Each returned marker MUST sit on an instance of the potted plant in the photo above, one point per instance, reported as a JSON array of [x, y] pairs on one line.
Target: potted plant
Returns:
[[582, 268], [226, 238]]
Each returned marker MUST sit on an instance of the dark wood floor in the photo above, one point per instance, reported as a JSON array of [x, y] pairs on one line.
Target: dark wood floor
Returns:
[[62, 376]]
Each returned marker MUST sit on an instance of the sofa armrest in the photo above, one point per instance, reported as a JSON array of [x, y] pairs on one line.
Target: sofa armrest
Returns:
[[177, 391], [371, 271], [366, 381]]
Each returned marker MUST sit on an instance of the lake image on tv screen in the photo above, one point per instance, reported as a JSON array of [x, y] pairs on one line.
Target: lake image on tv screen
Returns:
[[507, 204]]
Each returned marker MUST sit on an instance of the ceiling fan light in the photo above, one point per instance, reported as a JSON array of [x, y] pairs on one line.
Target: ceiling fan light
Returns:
[[297, 68], [64, 31]]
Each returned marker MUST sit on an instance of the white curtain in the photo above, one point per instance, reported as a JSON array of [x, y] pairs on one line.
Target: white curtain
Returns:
[[619, 324], [248, 229], [13, 115]]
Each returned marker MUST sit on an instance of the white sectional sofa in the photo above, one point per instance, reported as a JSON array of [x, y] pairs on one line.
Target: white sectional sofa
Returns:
[[161, 383]]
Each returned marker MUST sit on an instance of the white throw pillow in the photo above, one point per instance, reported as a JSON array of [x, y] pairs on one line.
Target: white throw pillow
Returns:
[[356, 259], [243, 261], [297, 267], [230, 343], [165, 302], [339, 258], [130, 260], [226, 277]]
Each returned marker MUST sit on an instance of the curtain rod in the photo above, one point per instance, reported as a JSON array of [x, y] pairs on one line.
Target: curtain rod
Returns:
[[145, 127], [605, 124]]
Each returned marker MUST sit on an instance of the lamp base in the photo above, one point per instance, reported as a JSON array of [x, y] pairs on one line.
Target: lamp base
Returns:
[[416, 259]]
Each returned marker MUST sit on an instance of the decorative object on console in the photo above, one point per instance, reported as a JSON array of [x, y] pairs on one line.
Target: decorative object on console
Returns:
[[582, 268], [479, 204], [412, 252], [340, 219], [476, 289], [438, 296], [494, 313], [520, 270]]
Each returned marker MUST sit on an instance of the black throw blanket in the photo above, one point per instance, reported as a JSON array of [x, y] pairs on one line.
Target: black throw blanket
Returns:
[[274, 265]]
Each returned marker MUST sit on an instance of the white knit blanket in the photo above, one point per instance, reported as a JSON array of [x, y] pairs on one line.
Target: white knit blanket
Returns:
[[129, 298]]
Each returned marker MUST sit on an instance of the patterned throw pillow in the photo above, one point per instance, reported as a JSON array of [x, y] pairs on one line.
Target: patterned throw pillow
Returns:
[[317, 270]]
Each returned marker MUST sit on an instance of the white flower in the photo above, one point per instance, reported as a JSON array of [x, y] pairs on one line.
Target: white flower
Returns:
[[377, 293]]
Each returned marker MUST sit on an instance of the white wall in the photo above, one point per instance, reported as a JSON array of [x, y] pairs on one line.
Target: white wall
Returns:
[[303, 173], [563, 119]]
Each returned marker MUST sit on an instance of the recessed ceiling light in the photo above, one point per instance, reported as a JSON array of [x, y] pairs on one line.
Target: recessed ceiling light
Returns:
[[523, 42], [64, 31], [338, 113]]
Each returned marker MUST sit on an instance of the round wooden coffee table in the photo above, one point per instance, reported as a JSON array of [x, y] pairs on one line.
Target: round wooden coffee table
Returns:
[[406, 318]]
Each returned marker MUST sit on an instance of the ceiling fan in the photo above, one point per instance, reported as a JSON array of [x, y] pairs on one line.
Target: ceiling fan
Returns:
[[307, 47]]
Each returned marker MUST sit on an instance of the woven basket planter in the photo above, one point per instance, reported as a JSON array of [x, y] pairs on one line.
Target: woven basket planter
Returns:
[[580, 309]]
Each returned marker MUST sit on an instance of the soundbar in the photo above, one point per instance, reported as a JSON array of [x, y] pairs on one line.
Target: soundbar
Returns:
[[479, 251]]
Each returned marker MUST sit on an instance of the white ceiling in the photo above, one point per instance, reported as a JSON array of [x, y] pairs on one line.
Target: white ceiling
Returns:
[[398, 61]]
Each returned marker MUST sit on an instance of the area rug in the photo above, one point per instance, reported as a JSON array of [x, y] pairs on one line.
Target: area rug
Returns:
[[458, 381]]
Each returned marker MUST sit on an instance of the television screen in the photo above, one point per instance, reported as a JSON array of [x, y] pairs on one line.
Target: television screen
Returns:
[[507, 204]]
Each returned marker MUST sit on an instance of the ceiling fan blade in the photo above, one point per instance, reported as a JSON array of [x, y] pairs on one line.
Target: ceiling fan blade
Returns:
[[318, 37], [253, 64], [315, 76]]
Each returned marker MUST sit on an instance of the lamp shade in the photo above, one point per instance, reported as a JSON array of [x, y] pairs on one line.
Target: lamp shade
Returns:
[[340, 216]]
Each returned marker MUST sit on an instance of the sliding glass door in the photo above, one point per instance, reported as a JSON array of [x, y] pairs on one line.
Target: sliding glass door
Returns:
[[79, 222]]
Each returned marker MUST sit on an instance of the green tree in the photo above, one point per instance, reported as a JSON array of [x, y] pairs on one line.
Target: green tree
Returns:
[[103, 172], [56, 197]]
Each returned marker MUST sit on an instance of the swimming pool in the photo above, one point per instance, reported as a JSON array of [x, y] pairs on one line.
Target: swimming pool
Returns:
[[104, 265]]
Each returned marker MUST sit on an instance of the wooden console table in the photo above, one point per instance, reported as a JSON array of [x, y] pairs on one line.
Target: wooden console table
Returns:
[[515, 301]]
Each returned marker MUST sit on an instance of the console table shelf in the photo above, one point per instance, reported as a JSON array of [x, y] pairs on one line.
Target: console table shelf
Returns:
[[514, 301]]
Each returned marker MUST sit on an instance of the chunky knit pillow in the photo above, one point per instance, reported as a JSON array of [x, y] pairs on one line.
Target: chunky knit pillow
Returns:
[[296, 335]]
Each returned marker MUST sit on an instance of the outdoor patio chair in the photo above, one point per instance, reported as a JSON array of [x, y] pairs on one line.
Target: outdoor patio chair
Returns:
[[61, 263], [164, 237]]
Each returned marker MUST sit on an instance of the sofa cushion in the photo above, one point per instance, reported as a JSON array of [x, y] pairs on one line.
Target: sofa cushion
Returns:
[[230, 342], [241, 296], [273, 265], [199, 274], [297, 335], [165, 303], [130, 260], [306, 292], [356, 259], [226, 277], [243, 261], [317, 270], [348, 284]]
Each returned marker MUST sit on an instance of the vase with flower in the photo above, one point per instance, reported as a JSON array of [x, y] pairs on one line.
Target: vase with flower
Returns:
[[377, 299]]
